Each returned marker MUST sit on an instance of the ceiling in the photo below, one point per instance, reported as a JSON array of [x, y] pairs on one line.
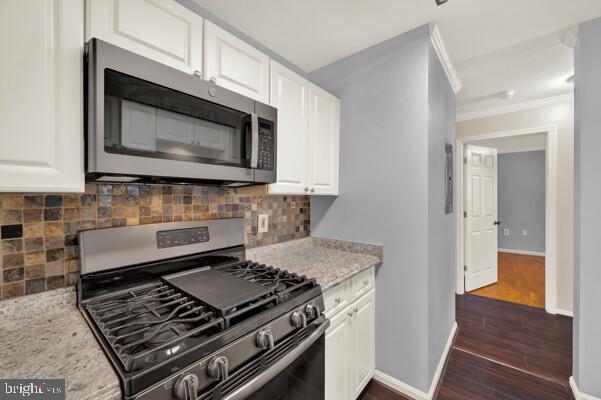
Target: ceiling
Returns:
[[480, 36], [535, 69]]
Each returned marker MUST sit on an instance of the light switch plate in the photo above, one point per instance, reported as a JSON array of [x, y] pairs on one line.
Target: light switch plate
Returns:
[[524, 232], [506, 232], [262, 223]]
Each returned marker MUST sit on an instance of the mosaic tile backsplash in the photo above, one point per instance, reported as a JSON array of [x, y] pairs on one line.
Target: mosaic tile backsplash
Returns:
[[38, 232]]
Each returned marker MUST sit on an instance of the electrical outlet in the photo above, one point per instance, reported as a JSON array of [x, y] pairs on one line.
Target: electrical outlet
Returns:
[[262, 223], [506, 232], [524, 232]]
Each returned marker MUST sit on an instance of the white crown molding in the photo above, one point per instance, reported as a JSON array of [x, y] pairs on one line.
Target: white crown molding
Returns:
[[411, 391], [578, 395], [527, 105], [445, 60]]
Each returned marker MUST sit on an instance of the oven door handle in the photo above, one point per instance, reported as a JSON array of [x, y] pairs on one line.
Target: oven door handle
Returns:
[[260, 380], [254, 140]]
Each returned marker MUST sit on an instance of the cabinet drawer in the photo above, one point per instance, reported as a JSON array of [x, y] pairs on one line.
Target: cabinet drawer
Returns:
[[336, 298], [362, 284]]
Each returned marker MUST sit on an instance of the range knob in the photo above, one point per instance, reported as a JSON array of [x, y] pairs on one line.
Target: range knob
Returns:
[[186, 387], [312, 311], [265, 339], [298, 319], [218, 368]]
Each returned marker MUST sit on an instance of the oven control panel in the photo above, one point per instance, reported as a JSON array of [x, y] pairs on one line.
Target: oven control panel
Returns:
[[182, 237]]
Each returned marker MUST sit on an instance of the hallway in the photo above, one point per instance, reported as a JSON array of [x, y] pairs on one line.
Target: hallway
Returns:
[[521, 280], [502, 351]]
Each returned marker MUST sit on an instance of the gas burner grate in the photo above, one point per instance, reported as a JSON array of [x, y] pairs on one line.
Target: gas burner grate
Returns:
[[151, 323], [282, 282]]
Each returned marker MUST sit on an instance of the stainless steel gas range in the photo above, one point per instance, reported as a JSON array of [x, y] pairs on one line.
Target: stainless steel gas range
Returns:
[[182, 315]]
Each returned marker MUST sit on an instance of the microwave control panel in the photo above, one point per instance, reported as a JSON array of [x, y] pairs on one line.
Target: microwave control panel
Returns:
[[266, 147]]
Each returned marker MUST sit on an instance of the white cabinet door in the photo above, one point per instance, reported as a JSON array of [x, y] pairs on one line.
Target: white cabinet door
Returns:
[[290, 95], [324, 137], [235, 64], [362, 342], [162, 30], [338, 358], [41, 129]]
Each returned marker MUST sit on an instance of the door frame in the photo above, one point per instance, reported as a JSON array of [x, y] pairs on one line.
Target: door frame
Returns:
[[551, 195]]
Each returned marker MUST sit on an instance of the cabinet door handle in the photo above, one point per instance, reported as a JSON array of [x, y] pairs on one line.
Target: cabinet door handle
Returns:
[[337, 300], [355, 310], [312, 190], [350, 314], [197, 74], [365, 283], [213, 79], [306, 189]]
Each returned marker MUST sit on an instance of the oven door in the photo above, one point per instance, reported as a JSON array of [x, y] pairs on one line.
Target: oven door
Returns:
[[147, 119], [297, 374]]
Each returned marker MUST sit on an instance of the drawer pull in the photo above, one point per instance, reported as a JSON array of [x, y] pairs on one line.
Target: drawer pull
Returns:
[[355, 310], [365, 283], [337, 300]]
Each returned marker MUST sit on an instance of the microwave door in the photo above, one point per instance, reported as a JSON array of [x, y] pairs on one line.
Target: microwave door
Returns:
[[147, 119]]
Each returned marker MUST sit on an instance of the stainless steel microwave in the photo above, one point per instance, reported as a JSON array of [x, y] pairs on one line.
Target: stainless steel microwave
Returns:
[[152, 123]]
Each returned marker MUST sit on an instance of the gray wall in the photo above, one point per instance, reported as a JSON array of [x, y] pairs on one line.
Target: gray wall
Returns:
[[521, 200], [384, 189], [441, 242], [587, 210]]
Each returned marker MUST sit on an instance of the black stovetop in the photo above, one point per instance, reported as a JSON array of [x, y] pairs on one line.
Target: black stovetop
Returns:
[[153, 325]]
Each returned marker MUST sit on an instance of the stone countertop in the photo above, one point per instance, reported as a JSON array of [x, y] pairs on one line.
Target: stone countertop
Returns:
[[44, 336], [328, 261]]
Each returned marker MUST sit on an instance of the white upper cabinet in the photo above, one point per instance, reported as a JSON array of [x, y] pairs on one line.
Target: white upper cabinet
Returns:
[[324, 138], [235, 65], [290, 95], [41, 129], [162, 30]]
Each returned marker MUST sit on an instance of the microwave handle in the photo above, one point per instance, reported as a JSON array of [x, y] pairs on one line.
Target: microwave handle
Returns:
[[254, 143]]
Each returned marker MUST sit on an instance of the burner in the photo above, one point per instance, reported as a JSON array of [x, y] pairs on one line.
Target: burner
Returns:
[[164, 334], [151, 319]]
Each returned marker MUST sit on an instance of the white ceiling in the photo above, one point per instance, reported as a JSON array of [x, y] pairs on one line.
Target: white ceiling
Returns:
[[480, 35], [314, 33], [534, 69]]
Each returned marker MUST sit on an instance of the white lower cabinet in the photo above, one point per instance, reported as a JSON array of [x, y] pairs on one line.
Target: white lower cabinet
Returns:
[[338, 358], [362, 342], [350, 343]]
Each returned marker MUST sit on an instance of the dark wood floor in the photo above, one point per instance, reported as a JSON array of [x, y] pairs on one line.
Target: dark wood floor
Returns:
[[502, 351]]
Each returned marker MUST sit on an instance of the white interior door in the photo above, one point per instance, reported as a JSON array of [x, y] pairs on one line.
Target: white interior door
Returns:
[[480, 217]]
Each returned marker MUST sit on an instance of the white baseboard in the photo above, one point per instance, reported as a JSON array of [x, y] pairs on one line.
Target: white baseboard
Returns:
[[567, 313], [409, 390], [524, 252], [578, 395]]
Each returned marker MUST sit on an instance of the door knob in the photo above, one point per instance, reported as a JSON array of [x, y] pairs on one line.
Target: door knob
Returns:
[[498, 223]]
